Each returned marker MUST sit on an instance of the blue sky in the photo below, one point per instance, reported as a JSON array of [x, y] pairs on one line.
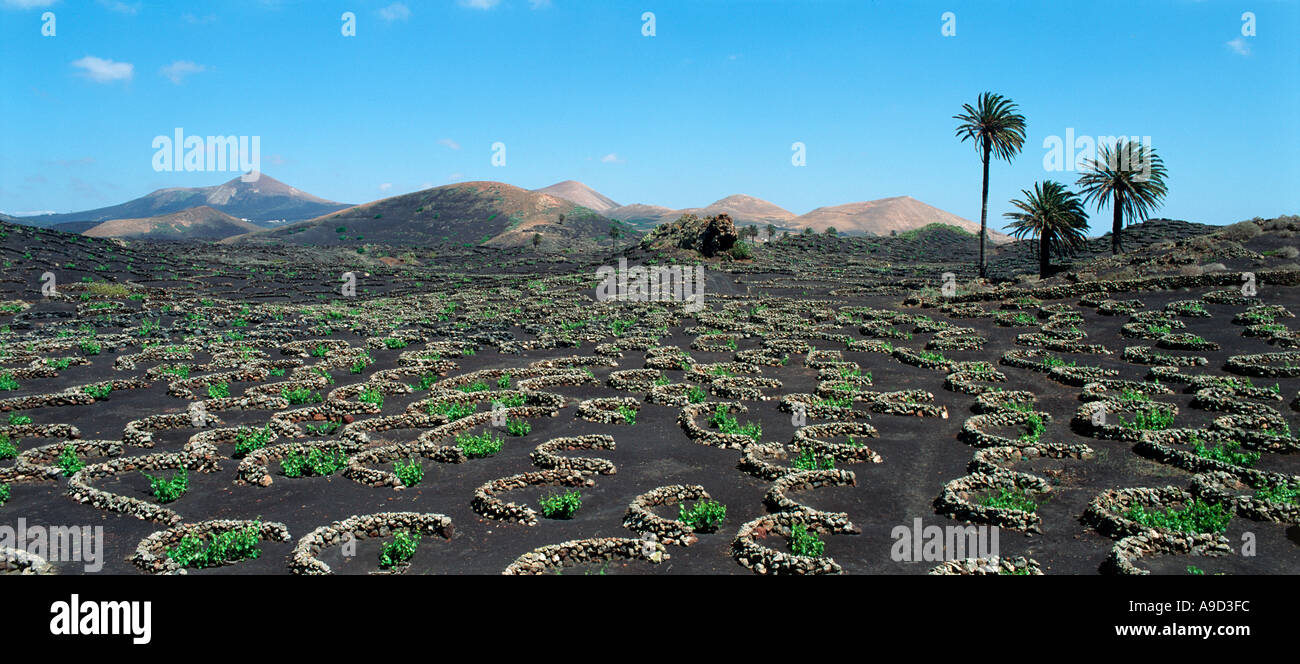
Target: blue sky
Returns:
[[708, 106]]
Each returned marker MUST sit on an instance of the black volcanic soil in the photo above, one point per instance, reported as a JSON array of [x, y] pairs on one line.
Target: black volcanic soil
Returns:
[[920, 454]]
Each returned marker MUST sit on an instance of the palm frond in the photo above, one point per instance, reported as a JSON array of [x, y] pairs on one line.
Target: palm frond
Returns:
[[993, 123]]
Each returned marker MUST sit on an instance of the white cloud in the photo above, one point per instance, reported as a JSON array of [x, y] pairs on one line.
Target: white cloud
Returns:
[[386, 186], [177, 71], [104, 71], [612, 158], [449, 143], [28, 4], [539, 4], [395, 12], [455, 176], [479, 4], [1239, 46], [121, 7]]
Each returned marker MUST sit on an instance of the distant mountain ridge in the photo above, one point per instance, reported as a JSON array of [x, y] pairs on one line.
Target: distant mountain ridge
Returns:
[[264, 199], [883, 216], [267, 199], [468, 214], [879, 217], [196, 223], [744, 210], [579, 193]]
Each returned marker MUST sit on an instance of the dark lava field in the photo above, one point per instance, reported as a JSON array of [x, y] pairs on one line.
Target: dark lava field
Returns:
[[276, 410]]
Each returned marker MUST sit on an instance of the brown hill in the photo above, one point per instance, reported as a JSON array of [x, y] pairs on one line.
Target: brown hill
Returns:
[[880, 217], [642, 216], [580, 194], [263, 199], [745, 210], [196, 223], [484, 213]]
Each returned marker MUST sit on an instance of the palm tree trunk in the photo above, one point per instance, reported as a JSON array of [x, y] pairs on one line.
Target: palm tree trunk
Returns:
[[984, 206], [1116, 225], [1043, 262]]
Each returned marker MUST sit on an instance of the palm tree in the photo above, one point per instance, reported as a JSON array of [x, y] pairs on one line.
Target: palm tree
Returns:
[[997, 130], [1053, 214], [1131, 177]]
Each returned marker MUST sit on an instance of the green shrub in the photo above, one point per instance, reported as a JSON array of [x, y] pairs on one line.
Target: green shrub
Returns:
[[316, 462], [1197, 517], [181, 372], [69, 462], [98, 392], [1011, 499], [1150, 418], [724, 422], [218, 390], [4, 493], [1134, 395], [322, 429], [1227, 452], [453, 410], [804, 542], [301, 395], [479, 446], [8, 448], [168, 490], [372, 395], [628, 413], [410, 473], [1034, 429], [518, 428], [704, 516], [248, 440], [18, 420], [807, 459], [400, 550], [7, 383], [1281, 493], [561, 506], [59, 363], [90, 347], [226, 547]]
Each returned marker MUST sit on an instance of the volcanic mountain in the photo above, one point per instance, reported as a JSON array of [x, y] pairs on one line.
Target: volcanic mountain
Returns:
[[644, 217], [196, 223], [491, 214], [743, 210], [264, 199], [579, 193], [880, 217]]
